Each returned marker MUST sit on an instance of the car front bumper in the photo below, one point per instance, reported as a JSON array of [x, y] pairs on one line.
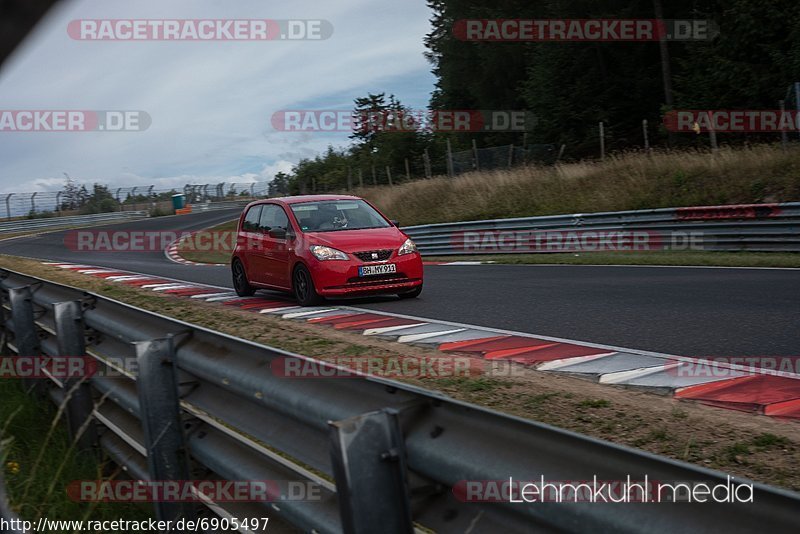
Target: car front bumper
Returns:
[[340, 278]]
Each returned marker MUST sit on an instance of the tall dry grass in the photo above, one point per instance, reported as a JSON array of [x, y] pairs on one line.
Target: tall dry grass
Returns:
[[762, 173]]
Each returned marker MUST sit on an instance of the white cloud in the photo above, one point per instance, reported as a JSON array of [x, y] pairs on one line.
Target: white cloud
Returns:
[[210, 102]]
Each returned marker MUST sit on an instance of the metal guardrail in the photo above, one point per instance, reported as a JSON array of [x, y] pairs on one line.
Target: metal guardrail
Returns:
[[23, 225], [385, 455], [210, 206], [754, 227]]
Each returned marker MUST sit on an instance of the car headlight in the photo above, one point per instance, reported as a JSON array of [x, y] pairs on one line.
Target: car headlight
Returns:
[[408, 248], [327, 253]]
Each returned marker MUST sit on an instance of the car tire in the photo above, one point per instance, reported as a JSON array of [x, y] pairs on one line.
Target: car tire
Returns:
[[303, 287], [240, 283], [414, 293]]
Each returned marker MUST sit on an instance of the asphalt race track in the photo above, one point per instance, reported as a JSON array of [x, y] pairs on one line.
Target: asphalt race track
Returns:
[[684, 311]]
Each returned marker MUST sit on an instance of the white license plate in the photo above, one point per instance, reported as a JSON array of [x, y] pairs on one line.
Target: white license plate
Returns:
[[369, 270]]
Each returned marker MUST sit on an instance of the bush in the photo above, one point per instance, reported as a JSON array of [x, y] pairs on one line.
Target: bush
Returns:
[[40, 214]]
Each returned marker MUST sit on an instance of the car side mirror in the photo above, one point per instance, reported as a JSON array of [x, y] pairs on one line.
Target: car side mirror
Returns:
[[395, 223], [278, 233]]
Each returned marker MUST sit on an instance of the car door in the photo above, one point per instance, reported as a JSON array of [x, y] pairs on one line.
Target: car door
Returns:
[[250, 241], [274, 255]]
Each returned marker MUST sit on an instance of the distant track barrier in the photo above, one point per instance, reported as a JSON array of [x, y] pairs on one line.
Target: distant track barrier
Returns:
[[752, 227], [25, 225], [172, 401]]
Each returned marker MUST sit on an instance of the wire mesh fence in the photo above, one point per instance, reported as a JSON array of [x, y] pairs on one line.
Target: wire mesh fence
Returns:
[[136, 198], [503, 157], [150, 197], [427, 165]]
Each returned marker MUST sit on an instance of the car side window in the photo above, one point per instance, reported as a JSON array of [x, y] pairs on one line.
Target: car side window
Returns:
[[281, 219], [273, 216], [250, 223]]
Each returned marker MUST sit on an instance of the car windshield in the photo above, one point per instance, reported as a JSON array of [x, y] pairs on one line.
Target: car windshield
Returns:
[[334, 215]]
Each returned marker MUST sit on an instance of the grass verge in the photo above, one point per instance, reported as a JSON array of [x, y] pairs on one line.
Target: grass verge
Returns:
[[39, 462], [194, 247], [628, 181], [682, 258], [767, 450]]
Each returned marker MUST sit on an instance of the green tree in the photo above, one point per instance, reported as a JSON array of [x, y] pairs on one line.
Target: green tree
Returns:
[[100, 201], [279, 186]]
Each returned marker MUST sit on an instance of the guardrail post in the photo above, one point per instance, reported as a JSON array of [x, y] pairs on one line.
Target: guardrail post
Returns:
[[157, 386], [369, 464], [71, 343], [26, 337]]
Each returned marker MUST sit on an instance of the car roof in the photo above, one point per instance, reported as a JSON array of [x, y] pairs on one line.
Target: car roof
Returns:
[[309, 198]]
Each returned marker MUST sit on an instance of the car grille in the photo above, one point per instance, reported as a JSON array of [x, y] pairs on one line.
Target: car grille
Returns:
[[373, 255], [378, 279]]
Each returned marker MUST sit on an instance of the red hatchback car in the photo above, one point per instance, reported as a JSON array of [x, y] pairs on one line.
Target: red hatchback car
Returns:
[[319, 246]]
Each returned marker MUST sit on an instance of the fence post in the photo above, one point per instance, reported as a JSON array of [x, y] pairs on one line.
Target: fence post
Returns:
[[426, 162], [450, 170], [26, 338], [712, 134], [561, 152], [369, 465], [602, 142], [8, 205], [159, 410], [646, 138], [69, 334], [797, 100], [408, 171], [784, 136], [475, 155], [389, 175], [510, 155]]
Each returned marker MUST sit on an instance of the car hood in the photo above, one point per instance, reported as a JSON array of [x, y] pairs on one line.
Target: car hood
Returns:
[[359, 240]]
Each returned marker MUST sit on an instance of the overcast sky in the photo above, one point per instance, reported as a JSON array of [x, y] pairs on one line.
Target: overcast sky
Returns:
[[210, 102]]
